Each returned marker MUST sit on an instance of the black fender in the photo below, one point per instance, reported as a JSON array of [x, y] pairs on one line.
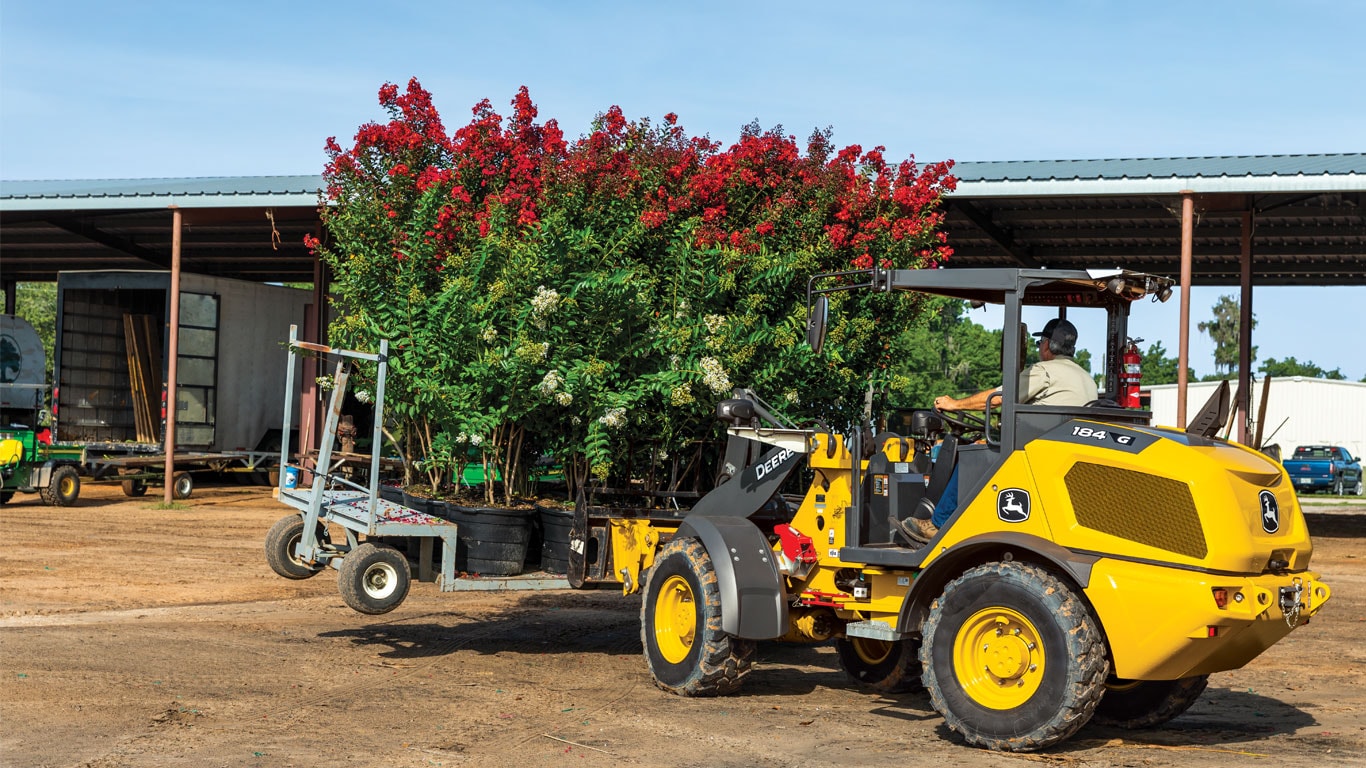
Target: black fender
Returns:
[[987, 547], [753, 601], [750, 490]]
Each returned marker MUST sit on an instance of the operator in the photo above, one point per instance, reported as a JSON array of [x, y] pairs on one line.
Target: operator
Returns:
[[1055, 380]]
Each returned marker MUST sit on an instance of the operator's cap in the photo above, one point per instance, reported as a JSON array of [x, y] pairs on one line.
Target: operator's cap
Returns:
[[1059, 330]]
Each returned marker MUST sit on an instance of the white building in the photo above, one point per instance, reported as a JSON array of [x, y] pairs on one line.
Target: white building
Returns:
[[1299, 411]]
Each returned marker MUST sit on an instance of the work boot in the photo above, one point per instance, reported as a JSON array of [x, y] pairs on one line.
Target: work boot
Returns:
[[918, 529]]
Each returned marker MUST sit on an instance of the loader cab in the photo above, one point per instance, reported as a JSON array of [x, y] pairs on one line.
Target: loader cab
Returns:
[[1096, 301]]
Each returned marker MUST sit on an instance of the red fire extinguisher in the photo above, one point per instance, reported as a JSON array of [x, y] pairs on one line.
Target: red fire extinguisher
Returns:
[[1131, 376]]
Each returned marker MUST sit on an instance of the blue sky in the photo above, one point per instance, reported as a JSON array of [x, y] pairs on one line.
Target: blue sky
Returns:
[[147, 89]]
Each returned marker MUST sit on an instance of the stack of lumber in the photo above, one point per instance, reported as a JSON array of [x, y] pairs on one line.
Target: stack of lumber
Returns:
[[144, 374]]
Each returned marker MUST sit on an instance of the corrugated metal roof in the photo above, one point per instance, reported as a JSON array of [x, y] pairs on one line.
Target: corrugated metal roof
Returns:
[[1162, 175], [1164, 167], [216, 191]]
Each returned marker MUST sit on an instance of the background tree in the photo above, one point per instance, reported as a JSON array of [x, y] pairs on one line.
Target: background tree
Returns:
[[1292, 367], [1223, 330], [37, 303], [1158, 368]]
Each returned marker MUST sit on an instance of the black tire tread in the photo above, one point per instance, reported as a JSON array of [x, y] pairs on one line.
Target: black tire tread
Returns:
[[278, 542], [1150, 703], [351, 573], [1085, 652], [52, 495], [725, 659], [898, 674]]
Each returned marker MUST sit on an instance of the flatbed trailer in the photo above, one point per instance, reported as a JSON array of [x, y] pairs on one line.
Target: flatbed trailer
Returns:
[[138, 466]]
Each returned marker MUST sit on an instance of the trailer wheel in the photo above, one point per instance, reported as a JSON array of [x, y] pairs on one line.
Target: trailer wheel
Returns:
[[134, 488], [182, 485], [885, 666], [63, 488], [680, 625], [280, 542], [1014, 659], [1135, 704], [374, 578]]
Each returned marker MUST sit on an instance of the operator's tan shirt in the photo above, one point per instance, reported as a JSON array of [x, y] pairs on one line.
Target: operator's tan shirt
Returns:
[[1059, 381]]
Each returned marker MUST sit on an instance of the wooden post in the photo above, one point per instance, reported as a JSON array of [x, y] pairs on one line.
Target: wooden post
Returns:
[[1183, 353], [1243, 408], [173, 352]]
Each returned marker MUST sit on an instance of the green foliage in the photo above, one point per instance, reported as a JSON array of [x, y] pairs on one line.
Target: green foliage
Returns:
[[1158, 368], [1223, 330], [944, 353], [37, 303], [1291, 367]]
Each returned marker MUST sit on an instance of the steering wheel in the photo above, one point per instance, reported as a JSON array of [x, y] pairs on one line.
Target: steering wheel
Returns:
[[965, 421]]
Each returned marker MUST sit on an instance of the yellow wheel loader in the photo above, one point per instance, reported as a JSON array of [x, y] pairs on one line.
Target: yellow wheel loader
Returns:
[[1097, 566]]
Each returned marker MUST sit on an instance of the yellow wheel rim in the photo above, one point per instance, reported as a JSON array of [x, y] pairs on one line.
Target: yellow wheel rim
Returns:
[[871, 652], [675, 619], [998, 658], [67, 486]]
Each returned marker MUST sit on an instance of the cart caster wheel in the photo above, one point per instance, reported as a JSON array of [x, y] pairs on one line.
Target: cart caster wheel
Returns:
[[280, 542], [182, 485], [134, 488], [64, 487], [374, 579]]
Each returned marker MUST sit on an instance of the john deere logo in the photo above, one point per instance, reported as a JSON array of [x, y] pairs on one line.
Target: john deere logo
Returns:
[[1271, 512], [1012, 505]]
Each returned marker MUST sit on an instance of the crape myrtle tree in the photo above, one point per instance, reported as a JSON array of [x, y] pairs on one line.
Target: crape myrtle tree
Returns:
[[595, 298]]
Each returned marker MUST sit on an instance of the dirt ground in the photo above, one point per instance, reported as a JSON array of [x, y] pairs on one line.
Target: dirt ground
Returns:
[[136, 637]]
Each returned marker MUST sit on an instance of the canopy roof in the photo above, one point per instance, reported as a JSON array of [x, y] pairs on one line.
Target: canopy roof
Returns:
[[1310, 227]]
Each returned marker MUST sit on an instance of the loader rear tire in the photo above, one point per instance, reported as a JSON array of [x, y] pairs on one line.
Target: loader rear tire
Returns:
[[1135, 704], [680, 625], [374, 578], [1014, 659], [64, 487], [280, 541], [884, 666]]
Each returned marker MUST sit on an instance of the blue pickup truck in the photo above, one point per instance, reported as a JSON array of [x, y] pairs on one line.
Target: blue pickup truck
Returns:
[[1325, 468]]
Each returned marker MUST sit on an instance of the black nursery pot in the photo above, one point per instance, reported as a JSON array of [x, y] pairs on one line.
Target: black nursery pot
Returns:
[[493, 541], [555, 525]]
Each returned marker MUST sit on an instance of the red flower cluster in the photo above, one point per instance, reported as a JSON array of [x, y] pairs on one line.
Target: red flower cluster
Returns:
[[760, 193]]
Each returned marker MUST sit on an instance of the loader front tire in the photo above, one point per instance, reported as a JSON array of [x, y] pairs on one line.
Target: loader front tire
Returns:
[[884, 666], [280, 541], [64, 487], [1137, 704], [680, 625], [374, 578], [1014, 659]]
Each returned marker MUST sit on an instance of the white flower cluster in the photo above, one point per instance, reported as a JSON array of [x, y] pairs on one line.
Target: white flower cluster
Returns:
[[714, 322], [543, 303], [790, 396], [563, 398], [473, 440], [326, 382], [714, 376], [489, 334], [550, 383], [682, 309], [364, 396], [613, 418]]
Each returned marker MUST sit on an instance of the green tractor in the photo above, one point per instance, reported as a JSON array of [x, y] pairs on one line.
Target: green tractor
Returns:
[[28, 463]]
